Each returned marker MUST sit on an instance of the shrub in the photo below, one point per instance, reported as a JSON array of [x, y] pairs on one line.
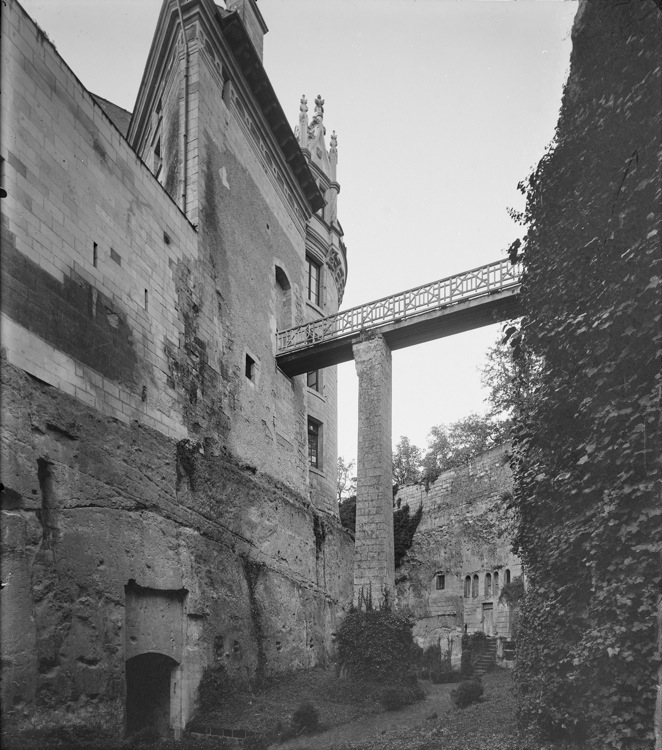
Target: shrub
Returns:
[[415, 693], [512, 593], [466, 665], [146, 737], [376, 645], [440, 677], [397, 696], [305, 719], [466, 693], [215, 684], [393, 698], [478, 642]]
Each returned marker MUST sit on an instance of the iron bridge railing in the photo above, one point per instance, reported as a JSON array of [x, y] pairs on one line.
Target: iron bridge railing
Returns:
[[485, 280]]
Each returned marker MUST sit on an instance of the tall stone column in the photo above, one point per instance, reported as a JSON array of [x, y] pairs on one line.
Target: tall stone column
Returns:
[[373, 547]]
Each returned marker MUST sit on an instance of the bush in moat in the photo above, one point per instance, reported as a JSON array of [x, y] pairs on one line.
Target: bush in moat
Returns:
[[439, 677], [467, 692], [466, 663], [397, 696], [376, 645], [305, 719], [214, 685]]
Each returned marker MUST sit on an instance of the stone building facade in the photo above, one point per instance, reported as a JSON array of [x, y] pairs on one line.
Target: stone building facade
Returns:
[[169, 494], [461, 557]]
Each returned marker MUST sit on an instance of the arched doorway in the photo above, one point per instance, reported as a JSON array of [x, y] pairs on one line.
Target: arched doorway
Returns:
[[148, 692]]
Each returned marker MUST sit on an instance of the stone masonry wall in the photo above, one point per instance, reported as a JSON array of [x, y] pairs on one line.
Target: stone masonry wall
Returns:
[[374, 556], [464, 531], [84, 241], [92, 504], [140, 463]]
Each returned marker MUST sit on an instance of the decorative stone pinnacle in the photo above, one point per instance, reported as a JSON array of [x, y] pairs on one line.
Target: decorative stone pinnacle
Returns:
[[334, 141], [303, 108], [319, 106]]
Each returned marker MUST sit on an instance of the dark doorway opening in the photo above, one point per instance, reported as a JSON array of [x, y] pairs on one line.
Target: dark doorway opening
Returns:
[[148, 693]]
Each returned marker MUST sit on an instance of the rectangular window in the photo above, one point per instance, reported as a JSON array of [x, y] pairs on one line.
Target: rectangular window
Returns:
[[441, 581], [249, 370], [158, 161], [313, 380], [313, 281], [314, 445]]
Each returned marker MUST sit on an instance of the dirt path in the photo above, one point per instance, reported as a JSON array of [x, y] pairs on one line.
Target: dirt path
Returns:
[[437, 701]]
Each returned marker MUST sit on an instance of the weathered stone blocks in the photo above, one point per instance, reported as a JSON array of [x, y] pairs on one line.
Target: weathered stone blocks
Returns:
[[373, 554]]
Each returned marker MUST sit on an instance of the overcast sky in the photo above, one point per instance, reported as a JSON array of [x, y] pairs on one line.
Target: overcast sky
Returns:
[[440, 106]]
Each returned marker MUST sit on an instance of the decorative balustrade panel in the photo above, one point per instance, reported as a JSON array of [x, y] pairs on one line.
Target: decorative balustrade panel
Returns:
[[478, 282]]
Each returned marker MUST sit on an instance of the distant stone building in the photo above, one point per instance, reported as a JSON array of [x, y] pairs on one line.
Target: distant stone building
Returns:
[[169, 493], [460, 558]]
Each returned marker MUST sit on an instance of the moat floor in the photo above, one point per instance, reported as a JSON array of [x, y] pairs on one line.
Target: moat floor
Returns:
[[431, 724]]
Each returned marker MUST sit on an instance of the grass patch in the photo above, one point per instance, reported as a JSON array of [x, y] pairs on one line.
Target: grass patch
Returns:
[[270, 709]]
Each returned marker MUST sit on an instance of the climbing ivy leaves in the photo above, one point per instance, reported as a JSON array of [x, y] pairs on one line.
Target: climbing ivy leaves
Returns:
[[588, 375]]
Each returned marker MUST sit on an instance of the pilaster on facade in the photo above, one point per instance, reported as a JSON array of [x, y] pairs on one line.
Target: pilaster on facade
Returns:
[[373, 553]]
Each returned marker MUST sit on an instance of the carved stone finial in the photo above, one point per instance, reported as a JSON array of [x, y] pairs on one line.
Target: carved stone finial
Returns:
[[319, 106], [302, 128], [334, 141]]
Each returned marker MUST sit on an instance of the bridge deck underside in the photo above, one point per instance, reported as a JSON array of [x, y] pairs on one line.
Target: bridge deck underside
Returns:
[[456, 318]]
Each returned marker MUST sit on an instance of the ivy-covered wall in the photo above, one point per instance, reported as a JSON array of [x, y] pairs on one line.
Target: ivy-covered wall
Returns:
[[587, 439]]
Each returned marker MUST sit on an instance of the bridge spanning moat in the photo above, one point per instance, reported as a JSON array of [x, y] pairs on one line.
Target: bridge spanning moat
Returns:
[[367, 334], [468, 300]]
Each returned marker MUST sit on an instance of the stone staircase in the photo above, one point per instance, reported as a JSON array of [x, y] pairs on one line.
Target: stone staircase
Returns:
[[487, 659]]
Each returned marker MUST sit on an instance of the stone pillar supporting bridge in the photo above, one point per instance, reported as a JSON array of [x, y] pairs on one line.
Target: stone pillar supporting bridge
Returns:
[[367, 334]]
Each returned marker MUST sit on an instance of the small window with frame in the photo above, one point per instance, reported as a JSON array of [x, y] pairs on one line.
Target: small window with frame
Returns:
[[314, 272], [314, 380], [314, 443], [440, 582]]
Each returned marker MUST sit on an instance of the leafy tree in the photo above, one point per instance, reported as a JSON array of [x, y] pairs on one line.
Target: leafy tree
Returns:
[[456, 444], [498, 375], [346, 482], [406, 462], [347, 511]]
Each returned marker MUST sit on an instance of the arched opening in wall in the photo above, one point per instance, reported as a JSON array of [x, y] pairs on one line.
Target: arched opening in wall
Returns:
[[148, 693], [283, 300], [495, 582], [488, 584], [467, 587], [507, 575], [474, 587]]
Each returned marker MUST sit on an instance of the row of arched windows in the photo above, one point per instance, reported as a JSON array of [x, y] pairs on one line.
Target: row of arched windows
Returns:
[[490, 584]]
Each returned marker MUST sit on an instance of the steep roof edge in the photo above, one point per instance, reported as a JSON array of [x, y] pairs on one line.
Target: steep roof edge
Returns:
[[249, 62], [121, 117], [167, 18], [251, 66]]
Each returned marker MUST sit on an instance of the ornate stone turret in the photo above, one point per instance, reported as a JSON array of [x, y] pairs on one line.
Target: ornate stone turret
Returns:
[[325, 233]]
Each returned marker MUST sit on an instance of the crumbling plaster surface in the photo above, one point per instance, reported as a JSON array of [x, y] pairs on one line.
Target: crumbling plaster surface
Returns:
[[92, 505]]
